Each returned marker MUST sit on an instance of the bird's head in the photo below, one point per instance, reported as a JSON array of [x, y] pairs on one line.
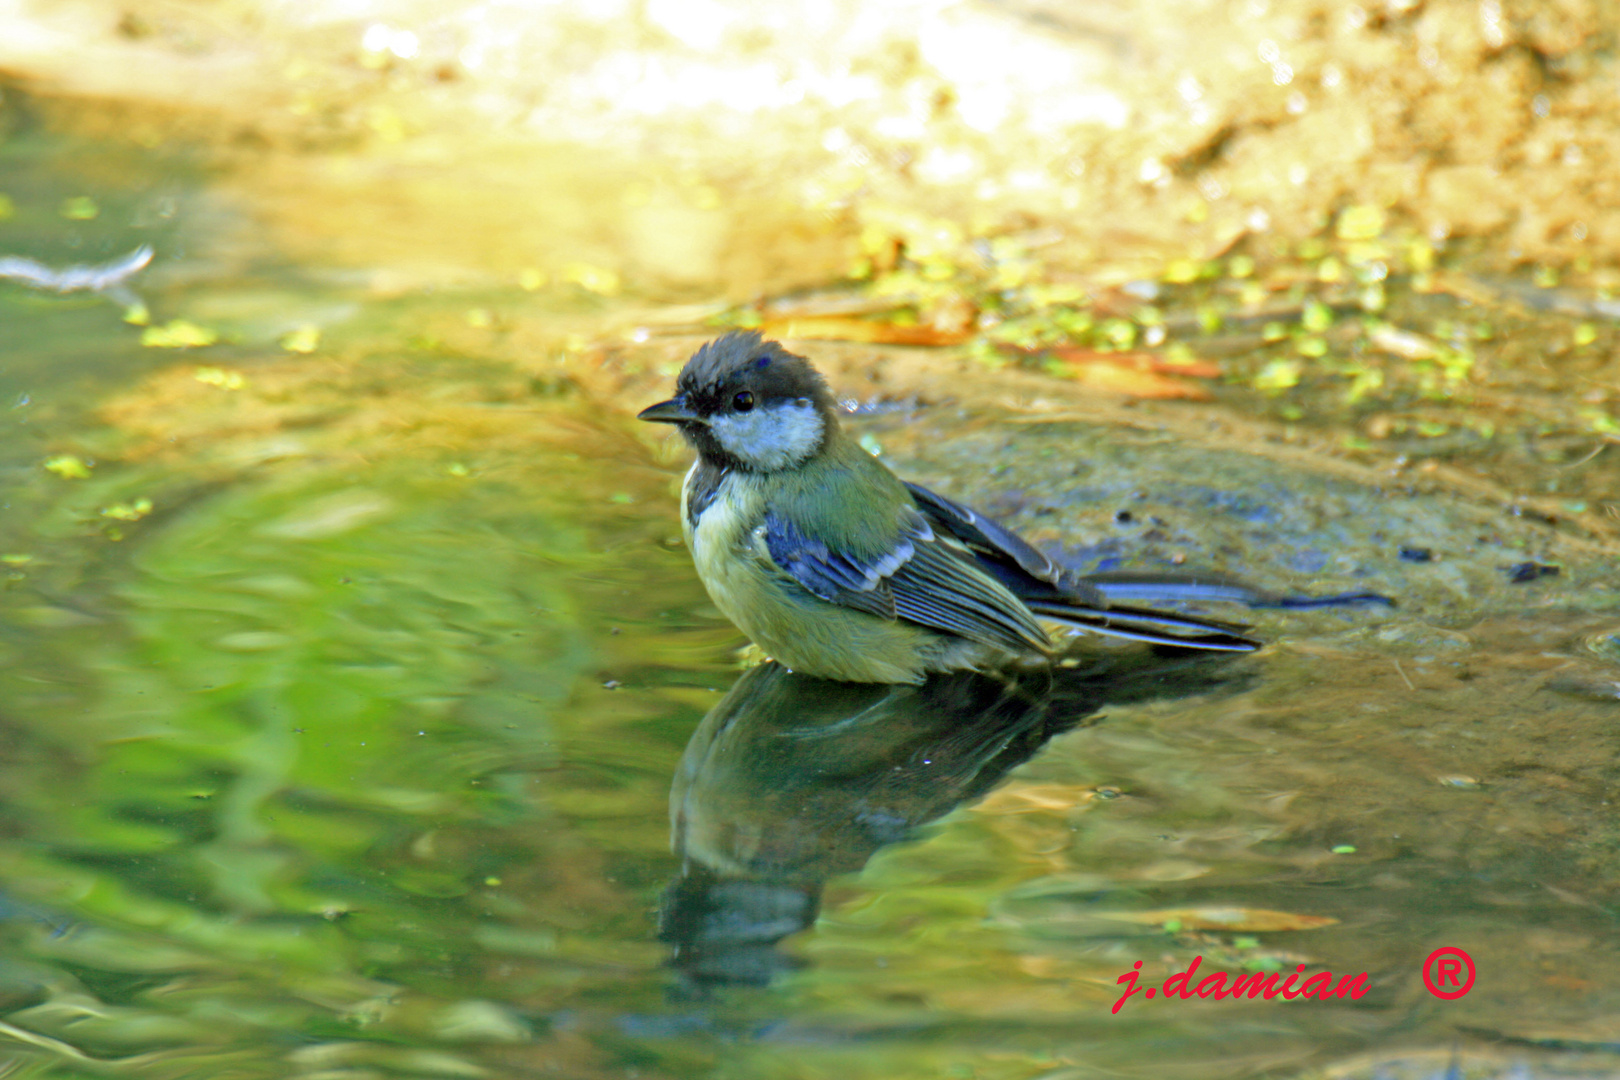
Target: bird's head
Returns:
[[744, 402]]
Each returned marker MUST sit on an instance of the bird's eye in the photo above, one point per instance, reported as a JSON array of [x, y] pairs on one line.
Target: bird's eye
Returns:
[[743, 402]]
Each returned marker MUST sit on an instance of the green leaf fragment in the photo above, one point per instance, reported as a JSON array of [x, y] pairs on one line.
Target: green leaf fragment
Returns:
[[68, 467], [1365, 382], [1600, 422], [220, 377], [1359, 223], [305, 339], [1118, 333], [178, 334], [1182, 272], [128, 511], [79, 208], [1317, 317], [1279, 375]]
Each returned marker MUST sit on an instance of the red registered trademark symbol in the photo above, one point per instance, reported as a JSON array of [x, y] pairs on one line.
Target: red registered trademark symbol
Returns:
[[1448, 973]]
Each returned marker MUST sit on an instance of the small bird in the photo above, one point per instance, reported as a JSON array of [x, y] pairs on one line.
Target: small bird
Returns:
[[836, 567]]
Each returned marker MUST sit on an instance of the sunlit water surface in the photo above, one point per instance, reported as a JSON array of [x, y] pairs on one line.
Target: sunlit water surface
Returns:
[[351, 697]]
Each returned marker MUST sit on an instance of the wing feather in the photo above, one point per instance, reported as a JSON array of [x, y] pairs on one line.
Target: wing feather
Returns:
[[834, 577], [1052, 592], [952, 569], [921, 577], [942, 588], [1003, 553], [983, 535]]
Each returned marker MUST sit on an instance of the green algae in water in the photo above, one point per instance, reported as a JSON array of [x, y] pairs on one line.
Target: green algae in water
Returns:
[[284, 758]]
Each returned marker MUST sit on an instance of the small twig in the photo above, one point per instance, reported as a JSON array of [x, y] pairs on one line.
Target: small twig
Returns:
[[1601, 446], [1402, 673]]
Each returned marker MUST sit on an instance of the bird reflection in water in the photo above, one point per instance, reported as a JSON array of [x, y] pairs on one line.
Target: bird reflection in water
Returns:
[[791, 779]]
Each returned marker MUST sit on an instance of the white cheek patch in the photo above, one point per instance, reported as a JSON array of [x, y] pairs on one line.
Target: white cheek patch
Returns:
[[772, 438]]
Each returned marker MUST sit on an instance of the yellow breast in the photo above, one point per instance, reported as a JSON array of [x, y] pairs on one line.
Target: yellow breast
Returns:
[[798, 629]]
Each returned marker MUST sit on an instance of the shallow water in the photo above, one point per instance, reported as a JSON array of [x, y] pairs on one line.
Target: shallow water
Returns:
[[354, 698]]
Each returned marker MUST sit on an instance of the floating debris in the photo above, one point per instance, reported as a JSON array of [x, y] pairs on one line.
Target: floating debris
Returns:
[[1519, 573], [220, 377], [1252, 920], [106, 279], [1590, 689], [866, 331], [68, 467], [80, 208], [1360, 223], [128, 511], [178, 334], [1403, 343], [305, 339]]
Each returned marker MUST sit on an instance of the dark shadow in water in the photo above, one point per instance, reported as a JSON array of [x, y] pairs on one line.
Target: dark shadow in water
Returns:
[[790, 780]]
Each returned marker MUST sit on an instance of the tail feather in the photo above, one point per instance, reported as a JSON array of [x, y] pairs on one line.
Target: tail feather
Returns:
[[1184, 587], [1157, 627], [1173, 620]]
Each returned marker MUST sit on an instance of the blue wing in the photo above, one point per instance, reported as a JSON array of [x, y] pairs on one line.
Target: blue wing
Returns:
[[832, 575], [1090, 603], [919, 577]]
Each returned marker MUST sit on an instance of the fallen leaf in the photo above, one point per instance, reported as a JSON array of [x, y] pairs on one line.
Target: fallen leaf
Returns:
[[225, 380], [1403, 343], [1110, 379], [305, 339], [834, 328], [832, 304], [1359, 223], [1138, 361], [1030, 798], [128, 511], [68, 467], [1135, 374], [1246, 920], [178, 334]]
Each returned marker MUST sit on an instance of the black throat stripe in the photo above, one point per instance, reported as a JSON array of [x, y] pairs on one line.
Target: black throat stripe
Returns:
[[702, 488]]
